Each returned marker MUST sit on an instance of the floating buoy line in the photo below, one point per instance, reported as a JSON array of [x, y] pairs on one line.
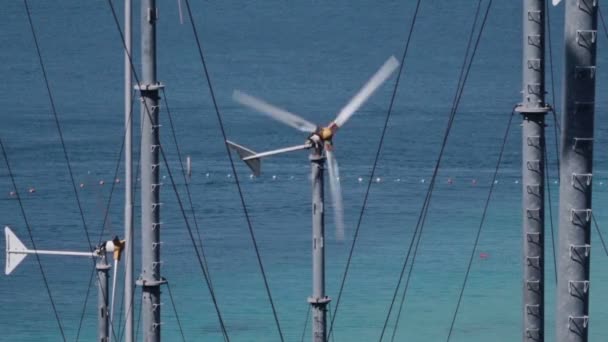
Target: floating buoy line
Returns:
[[211, 177]]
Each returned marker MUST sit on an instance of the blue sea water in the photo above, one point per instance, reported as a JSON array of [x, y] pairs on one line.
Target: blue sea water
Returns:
[[308, 57]]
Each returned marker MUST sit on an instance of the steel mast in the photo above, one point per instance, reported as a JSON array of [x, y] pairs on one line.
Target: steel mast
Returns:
[[580, 36], [533, 110], [150, 278], [103, 327], [129, 288], [318, 301]]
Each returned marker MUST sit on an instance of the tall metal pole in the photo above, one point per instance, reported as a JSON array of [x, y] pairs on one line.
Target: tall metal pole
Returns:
[[318, 300], [129, 288], [580, 36], [533, 110], [103, 327], [150, 278]]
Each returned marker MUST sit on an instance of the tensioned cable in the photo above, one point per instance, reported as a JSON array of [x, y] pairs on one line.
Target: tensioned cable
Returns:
[[400, 307], [31, 235], [483, 217], [548, 184], [305, 323], [179, 156], [374, 166], [333, 337], [138, 320], [121, 327], [105, 219], [555, 135], [464, 72], [166, 162], [56, 116], [600, 234], [556, 127], [179, 323], [236, 178], [59, 130]]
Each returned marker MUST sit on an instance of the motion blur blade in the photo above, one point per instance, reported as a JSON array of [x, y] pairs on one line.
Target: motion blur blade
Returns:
[[336, 191], [368, 89], [276, 113]]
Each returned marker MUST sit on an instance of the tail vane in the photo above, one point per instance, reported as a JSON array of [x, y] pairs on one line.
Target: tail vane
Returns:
[[255, 164]]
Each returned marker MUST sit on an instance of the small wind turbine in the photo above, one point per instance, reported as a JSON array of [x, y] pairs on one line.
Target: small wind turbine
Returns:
[[16, 252], [320, 141]]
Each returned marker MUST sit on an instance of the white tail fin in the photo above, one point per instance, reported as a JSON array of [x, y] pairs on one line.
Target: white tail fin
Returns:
[[556, 2], [15, 251], [254, 164]]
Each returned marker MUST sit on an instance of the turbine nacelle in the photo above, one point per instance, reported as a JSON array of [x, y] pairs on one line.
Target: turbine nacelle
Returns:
[[320, 138]]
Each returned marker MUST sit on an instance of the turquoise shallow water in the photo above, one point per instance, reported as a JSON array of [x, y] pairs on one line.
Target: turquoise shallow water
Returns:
[[309, 57]]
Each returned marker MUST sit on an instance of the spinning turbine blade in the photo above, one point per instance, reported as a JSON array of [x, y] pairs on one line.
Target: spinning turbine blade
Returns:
[[336, 192], [368, 89], [276, 113]]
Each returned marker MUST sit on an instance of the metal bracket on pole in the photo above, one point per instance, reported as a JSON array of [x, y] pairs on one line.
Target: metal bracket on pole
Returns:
[[579, 142], [533, 165], [149, 87], [140, 282], [318, 301], [586, 38], [533, 237], [587, 6], [533, 189], [578, 288], [533, 285], [576, 213], [579, 253], [522, 109], [578, 324], [576, 179], [533, 214]]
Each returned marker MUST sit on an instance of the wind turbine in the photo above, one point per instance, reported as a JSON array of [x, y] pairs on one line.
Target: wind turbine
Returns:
[[320, 141], [16, 251]]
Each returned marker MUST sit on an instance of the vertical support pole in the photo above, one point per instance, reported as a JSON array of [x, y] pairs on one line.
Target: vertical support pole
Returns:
[[580, 36], [103, 327], [129, 288], [318, 300], [533, 110], [150, 278]]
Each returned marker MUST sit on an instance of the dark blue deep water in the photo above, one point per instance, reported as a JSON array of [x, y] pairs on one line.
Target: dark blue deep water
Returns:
[[309, 57]]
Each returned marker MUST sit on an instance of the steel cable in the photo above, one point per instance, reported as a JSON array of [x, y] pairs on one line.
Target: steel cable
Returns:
[[236, 178], [179, 156], [61, 138], [374, 166], [483, 217], [105, 219], [464, 72], [31, 236], [305, 323], [548, 183], [179, 323]]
